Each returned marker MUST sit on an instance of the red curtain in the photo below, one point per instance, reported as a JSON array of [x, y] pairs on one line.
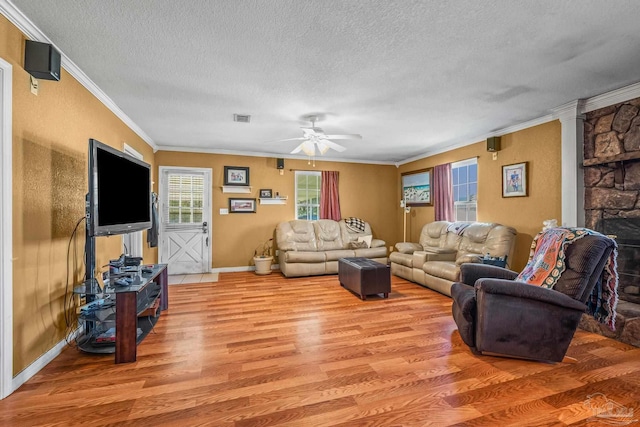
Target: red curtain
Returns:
[[329, 196], [443, 192]]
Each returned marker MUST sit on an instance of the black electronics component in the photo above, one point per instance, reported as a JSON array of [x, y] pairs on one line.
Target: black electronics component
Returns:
[[41, 60]]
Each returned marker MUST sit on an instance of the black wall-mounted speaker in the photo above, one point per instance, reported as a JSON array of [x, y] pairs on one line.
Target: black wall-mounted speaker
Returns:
[[493, 143], [41, 60], [280, 163]]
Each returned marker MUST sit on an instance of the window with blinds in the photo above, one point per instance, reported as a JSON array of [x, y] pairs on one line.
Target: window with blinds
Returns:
[[185, 198]]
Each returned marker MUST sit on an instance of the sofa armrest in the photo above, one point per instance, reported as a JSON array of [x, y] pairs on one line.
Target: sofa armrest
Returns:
[[467, 258], [377, 243], [523, 291], [408, 247], [471, 272]]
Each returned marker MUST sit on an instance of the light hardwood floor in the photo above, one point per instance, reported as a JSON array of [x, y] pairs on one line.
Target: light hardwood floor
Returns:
[[264, 350]]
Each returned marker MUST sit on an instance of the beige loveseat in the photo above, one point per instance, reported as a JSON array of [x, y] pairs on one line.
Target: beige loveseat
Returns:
[[309, 248], [435, 261]]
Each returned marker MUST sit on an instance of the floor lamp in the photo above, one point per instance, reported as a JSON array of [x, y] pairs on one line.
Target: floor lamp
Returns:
[[407, 209]]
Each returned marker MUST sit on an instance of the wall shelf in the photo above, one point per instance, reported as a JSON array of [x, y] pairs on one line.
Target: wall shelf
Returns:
[[237, 189], [282, 200]]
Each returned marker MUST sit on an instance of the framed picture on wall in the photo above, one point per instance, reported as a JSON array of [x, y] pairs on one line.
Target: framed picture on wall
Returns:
[[514, 180], [416, 188], [241, 205], [266, 193], [236, 175]]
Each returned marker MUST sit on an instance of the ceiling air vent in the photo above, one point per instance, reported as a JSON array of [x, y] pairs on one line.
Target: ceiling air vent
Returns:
[[242, 118]]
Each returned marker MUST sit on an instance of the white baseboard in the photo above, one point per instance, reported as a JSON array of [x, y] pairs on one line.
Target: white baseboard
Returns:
[[242, 268], [40, 363]]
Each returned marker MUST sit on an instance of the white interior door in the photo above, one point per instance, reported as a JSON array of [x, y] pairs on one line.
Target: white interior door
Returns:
[[132, 241], [185, 219]]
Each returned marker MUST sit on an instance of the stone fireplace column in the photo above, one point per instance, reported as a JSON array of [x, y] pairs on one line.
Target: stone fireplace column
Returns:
[[572, 121]]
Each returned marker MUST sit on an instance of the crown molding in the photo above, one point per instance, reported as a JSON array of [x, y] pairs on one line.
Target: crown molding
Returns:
[[611, 98], [500, 132], [24, 24], [570, 110], [264, 154]]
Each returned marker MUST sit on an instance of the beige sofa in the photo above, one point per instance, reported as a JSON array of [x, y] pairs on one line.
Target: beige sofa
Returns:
[[435, 261], [309, 248]]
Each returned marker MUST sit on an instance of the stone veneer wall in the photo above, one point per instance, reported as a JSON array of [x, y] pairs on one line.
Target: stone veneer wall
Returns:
[[612, 190]]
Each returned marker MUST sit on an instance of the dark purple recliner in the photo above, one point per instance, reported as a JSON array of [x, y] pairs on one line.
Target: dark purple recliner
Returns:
[[498, 315]]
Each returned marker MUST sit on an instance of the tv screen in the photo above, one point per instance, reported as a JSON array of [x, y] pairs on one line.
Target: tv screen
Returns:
[[119, 191]]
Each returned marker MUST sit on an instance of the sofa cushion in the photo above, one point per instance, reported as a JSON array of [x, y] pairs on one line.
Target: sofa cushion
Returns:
[[443, 269], [328, 235], [408, 247], [491, 238], [358, 245], [468, 258], [379, 252], [341, 253], [296, 235], [431, 234], [304, 256], [401, 259]]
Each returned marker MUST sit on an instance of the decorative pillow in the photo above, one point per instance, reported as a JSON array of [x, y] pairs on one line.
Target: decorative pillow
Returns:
[[357, 245], [366, 240], [355, 224]]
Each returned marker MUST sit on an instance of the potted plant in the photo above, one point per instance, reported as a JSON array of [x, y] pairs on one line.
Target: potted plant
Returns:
[[263, 256]]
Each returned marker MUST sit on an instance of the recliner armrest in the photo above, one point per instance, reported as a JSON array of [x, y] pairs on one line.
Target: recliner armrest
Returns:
[[377, 243], [524, 291], [471, 272], [408, 247]]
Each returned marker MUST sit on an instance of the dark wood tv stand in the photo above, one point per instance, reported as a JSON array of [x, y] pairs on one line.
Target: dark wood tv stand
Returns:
[[132, 301]]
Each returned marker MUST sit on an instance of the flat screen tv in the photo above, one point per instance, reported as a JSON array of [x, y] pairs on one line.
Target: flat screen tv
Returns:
[[119, 192]]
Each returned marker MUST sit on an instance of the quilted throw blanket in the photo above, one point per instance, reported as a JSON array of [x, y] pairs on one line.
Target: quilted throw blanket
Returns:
[[355, 224], [547, 262]]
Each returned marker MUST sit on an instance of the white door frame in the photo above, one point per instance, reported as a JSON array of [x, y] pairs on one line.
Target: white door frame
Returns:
[[133, 241], [6, 233], [208, 172]]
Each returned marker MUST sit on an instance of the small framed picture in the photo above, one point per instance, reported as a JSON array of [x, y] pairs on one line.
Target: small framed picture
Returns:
[[236, 175], [240, 205], [514, 180], [266, 193]]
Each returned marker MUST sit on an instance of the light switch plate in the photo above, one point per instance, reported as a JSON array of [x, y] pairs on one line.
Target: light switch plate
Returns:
[[224, 211], [33, 83]]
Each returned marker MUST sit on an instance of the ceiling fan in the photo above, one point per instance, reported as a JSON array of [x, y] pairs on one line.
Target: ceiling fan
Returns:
[[314, 137]]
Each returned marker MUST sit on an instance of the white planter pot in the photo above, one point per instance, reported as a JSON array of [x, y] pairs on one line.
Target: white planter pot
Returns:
[[263, 265]]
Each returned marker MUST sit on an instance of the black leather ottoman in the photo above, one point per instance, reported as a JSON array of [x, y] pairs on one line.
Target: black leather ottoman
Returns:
[[364, 276]]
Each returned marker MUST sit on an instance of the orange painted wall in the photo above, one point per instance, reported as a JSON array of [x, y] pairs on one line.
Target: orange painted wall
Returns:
[[366, 191], [50, 144], [540, 146], [50, 134]]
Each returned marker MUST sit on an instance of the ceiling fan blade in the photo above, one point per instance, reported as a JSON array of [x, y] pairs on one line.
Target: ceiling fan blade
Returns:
[[291, 139], [297, 149], [333, 145], [346, 136]]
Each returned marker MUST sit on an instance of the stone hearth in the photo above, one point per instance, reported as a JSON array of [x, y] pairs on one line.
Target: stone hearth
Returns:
[[612, 205]]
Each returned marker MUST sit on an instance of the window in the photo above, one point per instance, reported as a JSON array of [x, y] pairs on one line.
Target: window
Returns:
[[465, 189], [186, 193], [308, 195]]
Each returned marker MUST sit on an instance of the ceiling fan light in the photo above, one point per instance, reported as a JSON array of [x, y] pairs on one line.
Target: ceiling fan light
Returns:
[[308, 148], [322, 147]]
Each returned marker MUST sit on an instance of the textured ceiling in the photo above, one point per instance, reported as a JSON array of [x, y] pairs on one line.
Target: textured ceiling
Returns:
[[411, 77]]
